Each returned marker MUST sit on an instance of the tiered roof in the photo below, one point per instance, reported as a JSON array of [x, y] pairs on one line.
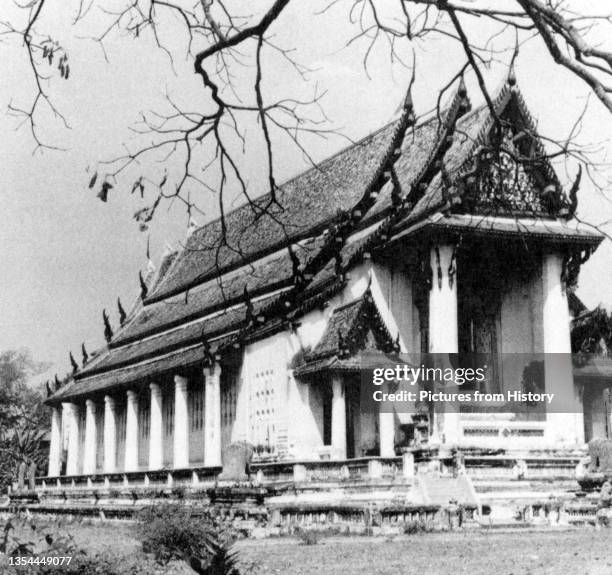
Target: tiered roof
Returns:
[[277, 261]]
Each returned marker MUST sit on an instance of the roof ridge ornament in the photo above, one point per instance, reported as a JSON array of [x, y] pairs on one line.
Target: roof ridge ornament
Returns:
[[84, 354], [512, 77], [297, 272], [143, 286], [250, 310], [108, 330], [73, 363], [122, 314]]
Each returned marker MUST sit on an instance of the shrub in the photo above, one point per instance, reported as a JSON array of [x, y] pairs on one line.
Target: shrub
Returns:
[[418, 526], [172, 531], [308, 536]]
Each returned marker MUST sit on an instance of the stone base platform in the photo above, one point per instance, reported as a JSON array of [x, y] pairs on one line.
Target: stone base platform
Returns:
[[421, 490]]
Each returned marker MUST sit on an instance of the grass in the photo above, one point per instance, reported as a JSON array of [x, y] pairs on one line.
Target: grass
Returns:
[[583, 552]]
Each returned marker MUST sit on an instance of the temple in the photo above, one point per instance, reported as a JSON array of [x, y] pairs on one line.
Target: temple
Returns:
[[450, 235]]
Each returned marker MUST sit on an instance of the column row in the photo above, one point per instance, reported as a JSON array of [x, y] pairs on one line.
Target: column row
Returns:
[[212, 430]]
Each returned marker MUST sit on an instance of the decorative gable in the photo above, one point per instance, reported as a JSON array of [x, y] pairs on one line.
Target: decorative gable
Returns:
[[508, 172]]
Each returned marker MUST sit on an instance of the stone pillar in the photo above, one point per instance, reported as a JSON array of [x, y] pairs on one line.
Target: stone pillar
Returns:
[[89, 457], [212, 416], [110, 435], [386, 430], [72, 418], [181, 423], [55, 446], [156, 431], [444, 328], [408, 470], [338, 423], [131, 432], [561, 428]]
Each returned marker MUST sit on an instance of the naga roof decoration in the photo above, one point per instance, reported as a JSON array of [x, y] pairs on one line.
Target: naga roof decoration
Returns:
[[401, 179]]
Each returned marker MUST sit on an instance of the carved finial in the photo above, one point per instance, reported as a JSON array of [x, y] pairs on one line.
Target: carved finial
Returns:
[[108, 330], [462, 90], [512, 76], [573, 193], [209, 356], [342, 350], [84, 354], [249, 311], [122, 314], [73, 363], [396, 344], [57, 382], [143, 286], [150, 265], [298, 276], [49, 391]]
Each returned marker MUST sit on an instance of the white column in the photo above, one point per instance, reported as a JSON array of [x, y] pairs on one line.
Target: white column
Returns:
[[55, 447], [386, 431], [443, 321], [181, 423], [89, 457], [561, 428], [156, 438], [338, 427], [72, 418], [212, 416], [110, 435], [131, 432], [444, 327]]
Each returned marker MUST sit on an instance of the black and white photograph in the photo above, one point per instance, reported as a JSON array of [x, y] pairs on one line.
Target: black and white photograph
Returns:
[[306, 287]]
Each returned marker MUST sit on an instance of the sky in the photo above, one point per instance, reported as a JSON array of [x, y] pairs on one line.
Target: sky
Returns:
[[65, 255]]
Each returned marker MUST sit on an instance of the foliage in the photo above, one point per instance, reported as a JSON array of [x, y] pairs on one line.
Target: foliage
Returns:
[[592, 332], [51, 541], [203, 541], [308, 536], [418, 526], [23, 417]]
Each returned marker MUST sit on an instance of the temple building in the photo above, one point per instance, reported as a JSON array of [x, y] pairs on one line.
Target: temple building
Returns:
[[450, 235]]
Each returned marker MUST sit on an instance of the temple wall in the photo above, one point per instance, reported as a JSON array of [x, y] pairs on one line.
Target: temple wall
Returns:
[[520, 329], [392, 292], [594, 411], [262, 395]]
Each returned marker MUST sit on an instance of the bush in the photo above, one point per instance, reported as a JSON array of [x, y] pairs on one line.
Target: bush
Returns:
[[172, 531], [308, 536], [418, 526]]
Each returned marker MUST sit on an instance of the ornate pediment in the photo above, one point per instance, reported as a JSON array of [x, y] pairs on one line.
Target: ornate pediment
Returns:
[[508, 171]]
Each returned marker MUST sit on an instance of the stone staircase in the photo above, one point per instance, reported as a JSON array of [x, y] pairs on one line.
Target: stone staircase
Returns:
[[543, 491], [443, 490]]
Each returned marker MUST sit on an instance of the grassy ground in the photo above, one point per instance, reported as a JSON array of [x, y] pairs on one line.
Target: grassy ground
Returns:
[[556, 553], [584, 552]]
